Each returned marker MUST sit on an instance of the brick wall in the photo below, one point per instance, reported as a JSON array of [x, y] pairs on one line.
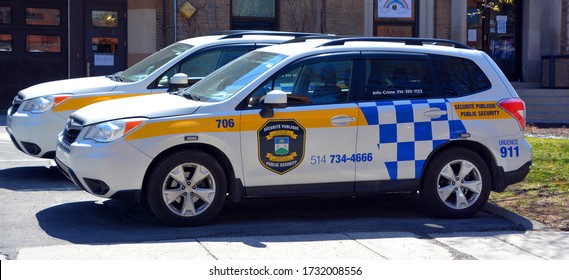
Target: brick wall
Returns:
[[345, 17], [327, 16], [159, 16], [302, 15], [210, 16], [442, 19]]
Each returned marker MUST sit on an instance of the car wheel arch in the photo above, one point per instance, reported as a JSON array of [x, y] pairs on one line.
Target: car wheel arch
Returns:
[[476, 147], [233, 186]]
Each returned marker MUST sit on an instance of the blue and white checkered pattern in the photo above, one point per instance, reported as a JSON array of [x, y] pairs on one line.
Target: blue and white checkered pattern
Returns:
[[407, 136]]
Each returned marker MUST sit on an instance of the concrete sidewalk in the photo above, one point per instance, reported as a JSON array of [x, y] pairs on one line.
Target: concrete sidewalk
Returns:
[[530, 245], [537, 242]]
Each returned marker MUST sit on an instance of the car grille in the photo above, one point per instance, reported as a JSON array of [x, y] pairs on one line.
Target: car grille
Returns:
[[16, 104], [71, 131]]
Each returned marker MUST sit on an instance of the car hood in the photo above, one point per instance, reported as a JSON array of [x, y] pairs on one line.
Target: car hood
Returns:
[[148, 106], [70, 86]]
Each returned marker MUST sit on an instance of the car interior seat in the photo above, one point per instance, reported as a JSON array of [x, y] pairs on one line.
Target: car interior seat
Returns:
[[328, 92]]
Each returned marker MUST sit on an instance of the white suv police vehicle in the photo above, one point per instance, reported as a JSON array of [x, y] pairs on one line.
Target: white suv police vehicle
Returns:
[[39, 112], [346, 116]]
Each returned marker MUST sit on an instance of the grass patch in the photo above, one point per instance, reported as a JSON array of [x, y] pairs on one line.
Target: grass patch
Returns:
[[544, 194]]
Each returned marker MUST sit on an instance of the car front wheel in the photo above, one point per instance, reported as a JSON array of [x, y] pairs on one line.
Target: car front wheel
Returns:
[[187, 188], [456, 183]]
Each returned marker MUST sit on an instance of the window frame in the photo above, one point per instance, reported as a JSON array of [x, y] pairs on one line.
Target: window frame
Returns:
[[274, 21], [11, 42], [412, 22], [113, 12], [9, 9], [38, 34], [353, 91], [59, 16]]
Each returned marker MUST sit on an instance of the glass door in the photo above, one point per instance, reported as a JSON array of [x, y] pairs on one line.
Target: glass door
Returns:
[[502, 42], [105, 35], [493, 26]]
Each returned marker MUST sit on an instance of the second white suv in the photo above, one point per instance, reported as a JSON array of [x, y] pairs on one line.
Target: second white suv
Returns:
[[38, 113], [348, 116]]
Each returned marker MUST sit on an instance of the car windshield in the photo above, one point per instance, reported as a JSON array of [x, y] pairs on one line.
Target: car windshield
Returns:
[[150, 64], [228, 80]]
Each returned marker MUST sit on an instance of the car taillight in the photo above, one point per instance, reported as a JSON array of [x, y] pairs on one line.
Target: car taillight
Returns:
[[516, 108]]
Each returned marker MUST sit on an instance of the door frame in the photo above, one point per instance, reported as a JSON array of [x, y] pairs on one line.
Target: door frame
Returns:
[[77, 15], [486, 41]]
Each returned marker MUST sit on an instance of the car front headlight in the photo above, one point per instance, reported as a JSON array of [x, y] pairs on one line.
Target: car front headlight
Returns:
[[42, 104], [112, 130]]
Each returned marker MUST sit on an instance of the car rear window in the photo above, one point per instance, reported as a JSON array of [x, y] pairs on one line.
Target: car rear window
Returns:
[[459, 76]]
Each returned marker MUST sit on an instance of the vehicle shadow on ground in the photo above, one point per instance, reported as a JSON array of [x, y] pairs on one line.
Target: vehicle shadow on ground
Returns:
[[34, 178], [117, 222]]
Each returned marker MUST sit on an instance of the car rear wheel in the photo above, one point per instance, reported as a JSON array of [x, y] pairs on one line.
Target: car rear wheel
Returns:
[[456, 183], [186, 189]]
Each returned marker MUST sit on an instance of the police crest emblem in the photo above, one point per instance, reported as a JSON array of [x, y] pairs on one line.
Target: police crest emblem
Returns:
[[281, 145]]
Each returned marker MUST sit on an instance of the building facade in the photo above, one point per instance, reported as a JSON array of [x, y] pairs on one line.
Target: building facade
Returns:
[[56, 39]]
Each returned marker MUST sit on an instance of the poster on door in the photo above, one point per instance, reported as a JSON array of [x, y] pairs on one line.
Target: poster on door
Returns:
[[104, 60], [395, 8]]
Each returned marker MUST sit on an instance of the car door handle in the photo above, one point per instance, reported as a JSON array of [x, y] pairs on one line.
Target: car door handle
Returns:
[[434, 112], [342, 120]]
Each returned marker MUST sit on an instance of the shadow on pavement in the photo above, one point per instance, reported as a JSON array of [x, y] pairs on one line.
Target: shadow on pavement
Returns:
[[34, 178], [116, 222]]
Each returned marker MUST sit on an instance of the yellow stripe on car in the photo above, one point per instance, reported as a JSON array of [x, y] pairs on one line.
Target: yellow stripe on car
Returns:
[[308, 118], [75, 103], [249, 122], [202, 125]]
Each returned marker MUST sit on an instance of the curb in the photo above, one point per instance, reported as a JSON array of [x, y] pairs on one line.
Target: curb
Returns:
[[524, 222]]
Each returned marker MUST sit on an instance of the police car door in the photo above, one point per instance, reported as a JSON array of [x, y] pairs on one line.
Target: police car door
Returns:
[[310, 144], [404, 120]]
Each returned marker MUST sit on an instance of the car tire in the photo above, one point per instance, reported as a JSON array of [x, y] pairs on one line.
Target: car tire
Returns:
[[456, 183], [186, 188]]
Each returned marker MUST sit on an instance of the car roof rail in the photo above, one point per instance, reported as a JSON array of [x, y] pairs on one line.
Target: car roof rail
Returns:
[[225, 32], [314, 37], [407, 41], [241, 33]]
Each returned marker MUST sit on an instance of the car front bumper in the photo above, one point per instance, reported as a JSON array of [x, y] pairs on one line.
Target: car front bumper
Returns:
[[35, 134], [111, 170]]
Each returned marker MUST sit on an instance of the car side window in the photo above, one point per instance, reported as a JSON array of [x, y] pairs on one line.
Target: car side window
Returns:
[[201, 65], [229, 55], [459, 76], [398, 79], [197, 66], [324, 82]]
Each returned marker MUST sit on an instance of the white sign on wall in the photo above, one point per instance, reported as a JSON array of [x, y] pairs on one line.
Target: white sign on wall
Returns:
[[394, 8]]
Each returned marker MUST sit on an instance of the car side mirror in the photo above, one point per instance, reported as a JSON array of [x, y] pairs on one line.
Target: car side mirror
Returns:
[[177, 82], [273, 99]]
